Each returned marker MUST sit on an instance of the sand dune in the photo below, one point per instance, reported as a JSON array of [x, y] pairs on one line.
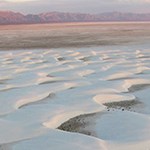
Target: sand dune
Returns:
[[136, 84], [93, 89], [99, 93]]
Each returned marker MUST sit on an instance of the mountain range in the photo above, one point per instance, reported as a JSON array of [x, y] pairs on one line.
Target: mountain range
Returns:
[[10, 17]]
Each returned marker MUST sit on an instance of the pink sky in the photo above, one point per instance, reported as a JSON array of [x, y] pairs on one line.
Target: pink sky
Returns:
[[86, 6]]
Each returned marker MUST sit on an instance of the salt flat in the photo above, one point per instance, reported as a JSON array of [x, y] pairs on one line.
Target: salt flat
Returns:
[[94, 97], [73, 35]]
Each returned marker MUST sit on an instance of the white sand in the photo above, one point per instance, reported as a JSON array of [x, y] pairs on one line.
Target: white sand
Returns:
[[105, 91]]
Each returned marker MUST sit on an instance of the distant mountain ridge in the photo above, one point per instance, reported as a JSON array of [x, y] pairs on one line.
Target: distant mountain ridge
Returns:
[[10, 17]]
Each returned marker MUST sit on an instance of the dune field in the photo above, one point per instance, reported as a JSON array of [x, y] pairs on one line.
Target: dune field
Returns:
[[82, 86]]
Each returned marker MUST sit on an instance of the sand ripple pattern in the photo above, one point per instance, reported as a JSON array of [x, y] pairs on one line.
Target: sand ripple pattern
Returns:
[[103, 90]]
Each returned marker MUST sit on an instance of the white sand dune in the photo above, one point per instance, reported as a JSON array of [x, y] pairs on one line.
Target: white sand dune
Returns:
[[76, 81], [118, 76], [104, 90], [107, 97], [61, 140], [137, 129], [135, 84], [28, 100]]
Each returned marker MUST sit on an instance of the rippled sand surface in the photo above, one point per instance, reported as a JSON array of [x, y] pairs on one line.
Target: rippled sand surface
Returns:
[[75, 98]]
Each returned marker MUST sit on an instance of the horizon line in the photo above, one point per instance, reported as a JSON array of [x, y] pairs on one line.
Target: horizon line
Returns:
[[127, 12]]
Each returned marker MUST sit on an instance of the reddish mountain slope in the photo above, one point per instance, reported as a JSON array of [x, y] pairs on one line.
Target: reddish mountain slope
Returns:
[[9, 17]]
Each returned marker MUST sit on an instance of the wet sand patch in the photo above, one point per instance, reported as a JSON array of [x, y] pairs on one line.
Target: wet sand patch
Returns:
[[123, 105], [78, 124], [138, 87]]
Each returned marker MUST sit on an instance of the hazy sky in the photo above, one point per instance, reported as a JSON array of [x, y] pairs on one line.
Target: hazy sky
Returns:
[[85, 6]]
